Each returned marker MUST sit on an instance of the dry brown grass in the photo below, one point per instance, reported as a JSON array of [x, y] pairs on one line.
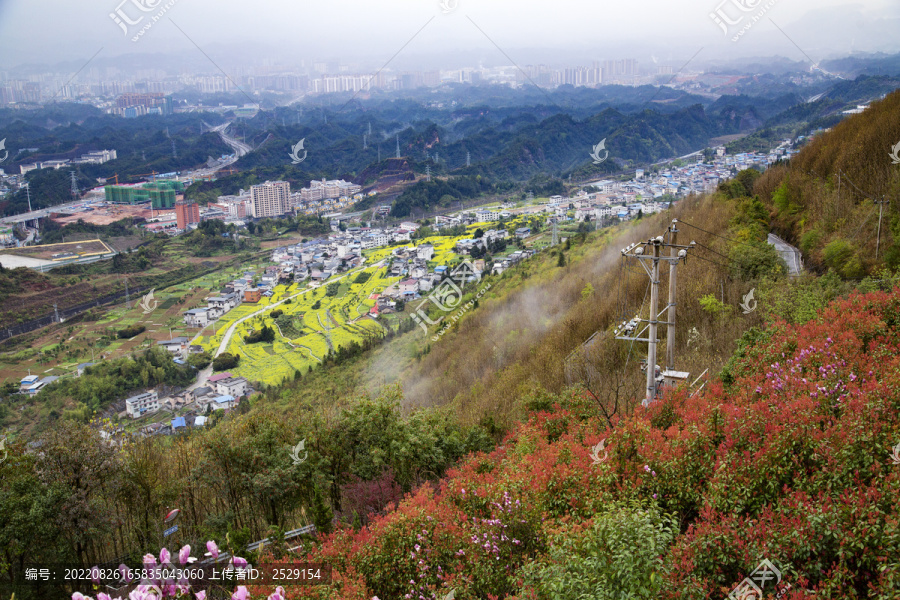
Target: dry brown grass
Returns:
[[519, 338]]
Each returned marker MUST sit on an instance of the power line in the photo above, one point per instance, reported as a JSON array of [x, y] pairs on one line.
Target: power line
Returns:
[[713, 251], [712, 261], [715, 234]]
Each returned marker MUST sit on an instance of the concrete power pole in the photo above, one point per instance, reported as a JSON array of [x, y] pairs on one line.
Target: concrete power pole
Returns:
[[654, 320], [673, 271], [880, 204], [628, 330]]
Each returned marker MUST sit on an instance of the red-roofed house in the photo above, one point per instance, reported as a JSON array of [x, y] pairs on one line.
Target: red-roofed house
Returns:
[[219, 377]]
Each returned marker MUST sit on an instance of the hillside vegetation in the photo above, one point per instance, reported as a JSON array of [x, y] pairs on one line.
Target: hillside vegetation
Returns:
[[824, 200], [790, 463]]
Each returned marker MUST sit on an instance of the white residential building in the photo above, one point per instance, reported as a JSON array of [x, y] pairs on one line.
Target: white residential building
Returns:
[[142, 404], [270, 199], [233, 386]]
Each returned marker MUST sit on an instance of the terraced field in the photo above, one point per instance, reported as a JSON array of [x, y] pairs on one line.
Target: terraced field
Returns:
[[302, 333]]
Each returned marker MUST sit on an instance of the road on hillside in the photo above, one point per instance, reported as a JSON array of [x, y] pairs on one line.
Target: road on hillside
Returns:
[[230, 331], [789, 254]]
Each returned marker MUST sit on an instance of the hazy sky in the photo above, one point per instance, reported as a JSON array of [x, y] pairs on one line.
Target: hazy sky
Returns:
[[371, 32]]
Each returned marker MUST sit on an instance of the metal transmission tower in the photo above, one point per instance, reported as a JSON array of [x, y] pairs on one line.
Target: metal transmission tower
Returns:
[[651, 251], [398, 146], [370, 128], [174, 151], [365, 142], [28, 194], [74, 180], [555, 240], [468, 159], [427, 172]]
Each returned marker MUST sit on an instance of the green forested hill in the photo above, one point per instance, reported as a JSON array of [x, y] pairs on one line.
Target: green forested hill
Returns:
[[824, 199]]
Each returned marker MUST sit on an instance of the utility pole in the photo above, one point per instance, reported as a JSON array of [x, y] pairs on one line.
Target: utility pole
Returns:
[[880, 204], [654, 320], [628, 330], [673, 270], [74, 179]]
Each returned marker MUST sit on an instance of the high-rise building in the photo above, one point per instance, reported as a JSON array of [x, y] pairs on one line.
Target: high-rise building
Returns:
[[270, 199], [162, 194], [135, 105], [186, 213]]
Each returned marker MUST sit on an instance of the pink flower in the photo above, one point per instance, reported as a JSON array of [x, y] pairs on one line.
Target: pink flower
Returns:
[[95, 574], [239, 562], [654, 496], [184, 555], [201, 595], [164, 556], [149, 560], [241, 594], [78, 596], [124, 572], [212, 549], [102, 596]]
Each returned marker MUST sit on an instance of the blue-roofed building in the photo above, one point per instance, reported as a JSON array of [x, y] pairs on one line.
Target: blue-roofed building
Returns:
[[177, 423], [223, 402]]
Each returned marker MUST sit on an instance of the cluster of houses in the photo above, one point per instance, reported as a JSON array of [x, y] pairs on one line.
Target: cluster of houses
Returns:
[[319, 259], [221, 392], [231, 295]]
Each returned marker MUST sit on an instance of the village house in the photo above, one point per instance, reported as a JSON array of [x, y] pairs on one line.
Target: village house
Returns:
[[232, 386], [147, 402]]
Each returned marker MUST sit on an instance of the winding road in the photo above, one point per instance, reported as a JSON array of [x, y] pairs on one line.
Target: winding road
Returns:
[[789, 254]]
